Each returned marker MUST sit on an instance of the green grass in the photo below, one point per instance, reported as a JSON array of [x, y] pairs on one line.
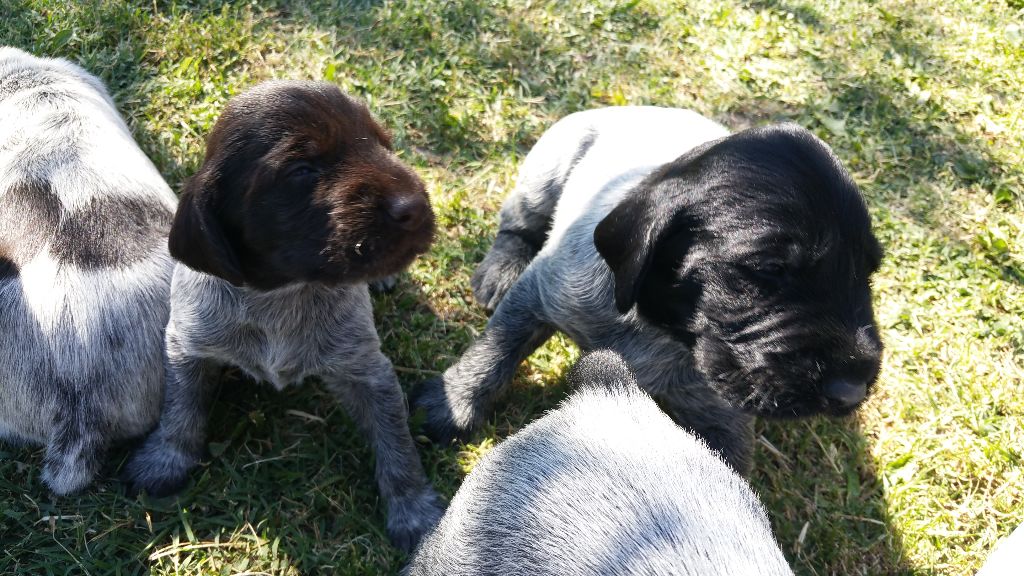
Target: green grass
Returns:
[[921, 100]]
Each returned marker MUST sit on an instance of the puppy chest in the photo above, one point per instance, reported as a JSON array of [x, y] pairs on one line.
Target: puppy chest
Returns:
[[278, 358], [280, 336]]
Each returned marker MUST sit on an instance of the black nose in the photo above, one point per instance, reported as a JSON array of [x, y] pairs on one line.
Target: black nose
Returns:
[[845, 392], [407, 211]]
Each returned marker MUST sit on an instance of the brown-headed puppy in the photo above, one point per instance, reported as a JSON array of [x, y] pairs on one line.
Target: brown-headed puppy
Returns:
[[299, 202]]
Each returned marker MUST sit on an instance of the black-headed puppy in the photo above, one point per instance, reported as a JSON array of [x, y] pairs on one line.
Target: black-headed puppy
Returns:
[[731, 271]]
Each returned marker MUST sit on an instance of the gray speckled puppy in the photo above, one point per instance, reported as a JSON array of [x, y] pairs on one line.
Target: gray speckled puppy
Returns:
[[299, 202], [84, 269], [605, 484], [731, 271]]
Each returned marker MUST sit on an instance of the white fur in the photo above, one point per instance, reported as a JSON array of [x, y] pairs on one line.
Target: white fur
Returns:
[[605, 484]]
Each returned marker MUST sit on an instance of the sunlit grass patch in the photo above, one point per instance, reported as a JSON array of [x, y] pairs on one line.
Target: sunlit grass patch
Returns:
[[921, 101]]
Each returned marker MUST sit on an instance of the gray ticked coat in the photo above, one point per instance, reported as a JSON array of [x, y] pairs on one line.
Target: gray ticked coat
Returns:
[[605, 484], [84, 269]]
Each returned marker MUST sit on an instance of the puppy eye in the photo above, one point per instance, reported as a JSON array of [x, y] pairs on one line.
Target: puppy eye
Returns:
[[301, 171], [771, 269]]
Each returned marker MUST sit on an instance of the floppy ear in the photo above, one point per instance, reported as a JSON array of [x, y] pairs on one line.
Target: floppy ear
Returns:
[[197, 237], [629, 237], [623, 239]]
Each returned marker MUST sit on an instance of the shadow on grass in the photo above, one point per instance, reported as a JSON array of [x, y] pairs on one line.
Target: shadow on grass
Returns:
[[913, 144], [804, 12], [823, 492], [290, 467], [293, 470], [289, 487]]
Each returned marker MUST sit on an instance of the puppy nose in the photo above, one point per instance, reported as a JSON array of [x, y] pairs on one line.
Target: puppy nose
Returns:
[[845, 392], [407, 211]]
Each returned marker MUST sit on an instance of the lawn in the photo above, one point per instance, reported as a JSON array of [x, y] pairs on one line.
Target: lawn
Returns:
[[921, 100]]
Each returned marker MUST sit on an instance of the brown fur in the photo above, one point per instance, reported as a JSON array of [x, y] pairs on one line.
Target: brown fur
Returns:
[[300, 184]]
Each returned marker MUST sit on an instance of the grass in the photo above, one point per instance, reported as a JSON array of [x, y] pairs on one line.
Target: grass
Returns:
[[920, 99]]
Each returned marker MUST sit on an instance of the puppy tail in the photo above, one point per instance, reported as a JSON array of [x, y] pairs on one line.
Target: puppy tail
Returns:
[[602, 370]]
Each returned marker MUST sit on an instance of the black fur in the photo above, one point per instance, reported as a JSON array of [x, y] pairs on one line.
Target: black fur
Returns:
[[110, 231], [299, 184], [8, 269], [29, 219], [726, 248]]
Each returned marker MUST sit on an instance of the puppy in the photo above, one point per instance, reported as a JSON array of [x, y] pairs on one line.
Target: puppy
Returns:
[[731, 271], [84, 269], [605, 484], [299, 202]]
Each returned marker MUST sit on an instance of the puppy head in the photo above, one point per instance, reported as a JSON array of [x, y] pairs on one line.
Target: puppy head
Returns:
[[756, 250], [300, 184]]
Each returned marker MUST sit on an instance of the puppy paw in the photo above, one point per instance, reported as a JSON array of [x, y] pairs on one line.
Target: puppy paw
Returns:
[[439, 421], [410, 519], [500, 269], [67, 476], [158, 469]]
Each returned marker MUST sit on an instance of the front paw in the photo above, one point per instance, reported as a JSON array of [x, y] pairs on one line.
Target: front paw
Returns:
[[158, 468], [440, 422], [410, 519], [65, 475], [500, 269]]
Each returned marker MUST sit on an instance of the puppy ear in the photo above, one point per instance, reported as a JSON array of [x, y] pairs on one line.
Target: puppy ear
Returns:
[[631, 236], [623, 239], [197, 237]]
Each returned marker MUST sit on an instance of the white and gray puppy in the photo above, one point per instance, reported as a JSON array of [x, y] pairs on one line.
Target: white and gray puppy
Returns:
[[299, 202], [84, 269], [730, 270], [605, 484]]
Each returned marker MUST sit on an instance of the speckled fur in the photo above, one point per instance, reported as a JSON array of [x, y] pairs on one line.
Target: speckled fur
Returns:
[[296, 304], [605, 484], [84, 269], [281, 337]]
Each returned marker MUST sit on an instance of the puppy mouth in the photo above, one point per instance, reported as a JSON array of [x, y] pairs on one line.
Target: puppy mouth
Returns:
[[383, 252], [780, 396], [400, 247], [786, 384], [789, 409]]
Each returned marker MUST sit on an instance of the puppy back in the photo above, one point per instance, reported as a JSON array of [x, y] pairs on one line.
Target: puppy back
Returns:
[[72, 179], [604, 484]]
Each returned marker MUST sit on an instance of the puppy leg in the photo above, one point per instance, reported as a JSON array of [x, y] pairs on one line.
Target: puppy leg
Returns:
[[76, 447], [459, 400], [161, 465], [501, 267], [374, 399], [725, 429], [527, 213]]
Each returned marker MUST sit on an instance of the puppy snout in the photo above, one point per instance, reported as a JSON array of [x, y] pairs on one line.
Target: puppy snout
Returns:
[[408, 211], [845, 392]]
